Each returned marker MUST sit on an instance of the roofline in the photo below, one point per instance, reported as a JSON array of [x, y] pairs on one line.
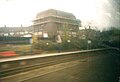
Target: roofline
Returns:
[[54, 21], [55, 11], [54, 16]]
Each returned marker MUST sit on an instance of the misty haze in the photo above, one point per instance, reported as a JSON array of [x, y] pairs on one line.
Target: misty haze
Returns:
[[59, 40]]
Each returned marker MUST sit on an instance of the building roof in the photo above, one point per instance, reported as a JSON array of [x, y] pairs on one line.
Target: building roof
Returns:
[[54, 12], [14, 29]]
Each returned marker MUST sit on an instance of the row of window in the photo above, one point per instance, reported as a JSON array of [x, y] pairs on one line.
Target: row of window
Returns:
[[57, 20]]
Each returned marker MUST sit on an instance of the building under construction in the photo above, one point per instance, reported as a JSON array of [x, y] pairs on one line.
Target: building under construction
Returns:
[[49, 23]]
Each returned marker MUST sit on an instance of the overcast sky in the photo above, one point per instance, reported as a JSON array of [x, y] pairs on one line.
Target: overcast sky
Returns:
[[17, 12]]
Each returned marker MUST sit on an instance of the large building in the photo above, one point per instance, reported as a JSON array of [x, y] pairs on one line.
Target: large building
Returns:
[[50, 22]]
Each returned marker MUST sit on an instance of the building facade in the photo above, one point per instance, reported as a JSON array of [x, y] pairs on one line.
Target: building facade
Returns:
[[87, 34], [16, 31], [51, 22]]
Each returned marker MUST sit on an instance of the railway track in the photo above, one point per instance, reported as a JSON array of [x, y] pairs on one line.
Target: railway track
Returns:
[[40, 62], [52, 61], [35, 66]]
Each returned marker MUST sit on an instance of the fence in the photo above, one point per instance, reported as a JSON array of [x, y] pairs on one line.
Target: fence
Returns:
[[15, 40]]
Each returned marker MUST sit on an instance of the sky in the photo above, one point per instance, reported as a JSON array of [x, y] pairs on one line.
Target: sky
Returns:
[[97, 13]]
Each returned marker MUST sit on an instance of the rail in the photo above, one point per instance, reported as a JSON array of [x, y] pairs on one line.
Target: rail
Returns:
[[9, 66]]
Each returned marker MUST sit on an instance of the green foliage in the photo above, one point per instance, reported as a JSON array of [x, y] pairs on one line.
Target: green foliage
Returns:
[[111, 37], [74, 44], [45, 45], [111, 32]]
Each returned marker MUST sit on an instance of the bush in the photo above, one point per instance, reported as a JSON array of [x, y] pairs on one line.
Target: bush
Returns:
[[74, 44], [45, 45]]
